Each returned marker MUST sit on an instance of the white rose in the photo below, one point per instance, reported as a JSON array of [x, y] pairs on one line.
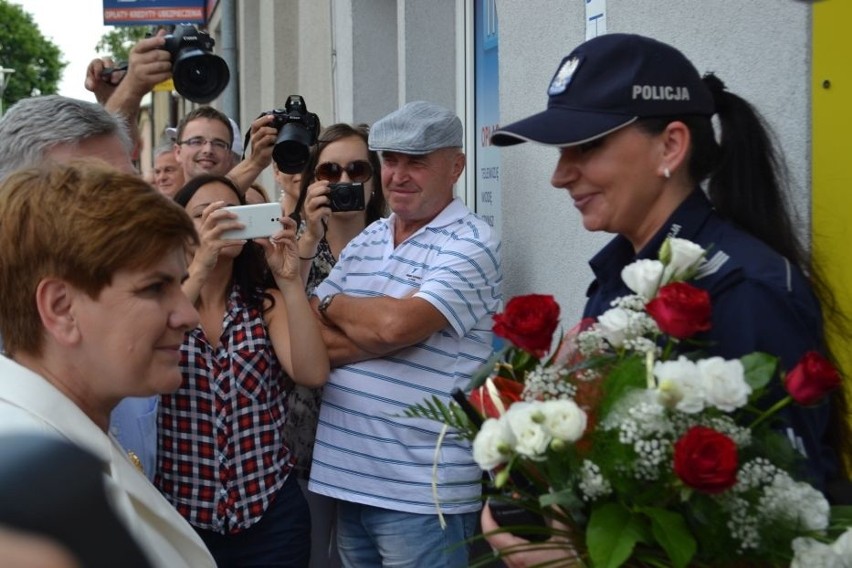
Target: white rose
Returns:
[[643, 277], [679, 385], [525, 420], [563, 419], [683, 260], [613, 325], [493, 444], [724, 383]]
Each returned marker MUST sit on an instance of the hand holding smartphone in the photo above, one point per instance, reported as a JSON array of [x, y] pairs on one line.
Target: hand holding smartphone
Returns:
[[260, 221]]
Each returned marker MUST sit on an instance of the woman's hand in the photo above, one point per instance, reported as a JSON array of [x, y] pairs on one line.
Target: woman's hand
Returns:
[[214, 222], [317, 212], [282, 252], [556, 551]]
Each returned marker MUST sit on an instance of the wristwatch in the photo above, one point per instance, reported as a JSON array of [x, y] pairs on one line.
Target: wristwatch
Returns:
[[325, 303]]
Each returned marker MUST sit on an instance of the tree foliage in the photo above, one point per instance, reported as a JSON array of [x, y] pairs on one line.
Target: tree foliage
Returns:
[[118, 42], [37, 61]]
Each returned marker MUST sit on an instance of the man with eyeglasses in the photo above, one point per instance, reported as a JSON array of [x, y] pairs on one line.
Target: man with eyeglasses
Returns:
[[406, 315], [203, 144], [205, 138]]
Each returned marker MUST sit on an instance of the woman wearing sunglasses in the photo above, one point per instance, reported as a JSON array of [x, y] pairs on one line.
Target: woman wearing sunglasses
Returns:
[[340, 156]]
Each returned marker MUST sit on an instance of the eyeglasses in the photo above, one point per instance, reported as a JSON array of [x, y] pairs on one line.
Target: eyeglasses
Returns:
[[359, 170], [200, 141]]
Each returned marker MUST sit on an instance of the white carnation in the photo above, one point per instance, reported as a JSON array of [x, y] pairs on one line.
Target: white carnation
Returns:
[[679, 385], [724, 383], [563, 419], [613, 325], [493, 444], [525, 420], [685, 257], [643, 277]]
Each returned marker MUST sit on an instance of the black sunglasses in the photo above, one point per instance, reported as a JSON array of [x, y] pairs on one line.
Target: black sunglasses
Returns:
[[358, 171]]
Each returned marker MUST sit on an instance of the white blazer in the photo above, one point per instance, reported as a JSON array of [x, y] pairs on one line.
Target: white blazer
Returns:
[[28, 403]]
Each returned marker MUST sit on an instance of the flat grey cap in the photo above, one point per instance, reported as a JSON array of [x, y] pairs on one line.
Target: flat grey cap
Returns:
[[418, 127]]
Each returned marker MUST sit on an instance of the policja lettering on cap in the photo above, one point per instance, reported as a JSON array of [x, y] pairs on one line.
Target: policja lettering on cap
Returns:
[[660, 93]]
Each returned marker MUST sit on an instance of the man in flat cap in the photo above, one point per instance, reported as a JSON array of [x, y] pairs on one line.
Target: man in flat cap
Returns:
[[407, 315]]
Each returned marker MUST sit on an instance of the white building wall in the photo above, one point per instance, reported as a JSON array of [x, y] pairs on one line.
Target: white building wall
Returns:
[[356, 60], [759, 48]]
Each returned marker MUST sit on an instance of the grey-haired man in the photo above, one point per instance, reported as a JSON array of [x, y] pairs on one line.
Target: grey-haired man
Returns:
[[407, 315]]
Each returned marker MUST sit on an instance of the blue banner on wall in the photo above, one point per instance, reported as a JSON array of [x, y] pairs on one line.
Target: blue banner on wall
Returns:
[[154, 12], [487, 112]]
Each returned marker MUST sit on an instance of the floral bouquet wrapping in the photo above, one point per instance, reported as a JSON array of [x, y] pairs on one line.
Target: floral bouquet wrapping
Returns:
[[635, 447]]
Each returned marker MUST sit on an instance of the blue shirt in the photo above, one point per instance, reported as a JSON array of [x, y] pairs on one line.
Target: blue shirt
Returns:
[[133, 422], [761, 302]]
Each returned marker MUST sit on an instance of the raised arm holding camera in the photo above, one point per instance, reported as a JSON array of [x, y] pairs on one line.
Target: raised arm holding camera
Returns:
[[284, 135], [258, 158], [121, 91]]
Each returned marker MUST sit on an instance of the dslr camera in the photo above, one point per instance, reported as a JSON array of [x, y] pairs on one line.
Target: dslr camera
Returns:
[[346, 196], [297, 132], [198, 75]]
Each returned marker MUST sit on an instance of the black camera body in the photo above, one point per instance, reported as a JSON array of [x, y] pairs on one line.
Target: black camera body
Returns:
[[297, 132], [198, 75], [346, 196]]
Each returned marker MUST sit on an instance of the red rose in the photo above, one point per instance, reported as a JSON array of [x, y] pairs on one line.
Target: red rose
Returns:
[[681, 310], [706, 460], [529, 322], [502, 393], [811, 379]]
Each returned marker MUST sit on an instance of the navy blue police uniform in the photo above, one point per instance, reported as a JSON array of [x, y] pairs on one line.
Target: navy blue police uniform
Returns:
[[761, 302]]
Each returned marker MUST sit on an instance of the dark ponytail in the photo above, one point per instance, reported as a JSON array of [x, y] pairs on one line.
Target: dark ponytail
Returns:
[[749, 183]]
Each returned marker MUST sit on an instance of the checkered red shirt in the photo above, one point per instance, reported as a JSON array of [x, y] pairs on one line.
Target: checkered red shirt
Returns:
[[221, 456]]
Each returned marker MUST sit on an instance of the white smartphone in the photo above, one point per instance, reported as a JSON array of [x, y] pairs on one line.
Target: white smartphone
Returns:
[[260, 220]]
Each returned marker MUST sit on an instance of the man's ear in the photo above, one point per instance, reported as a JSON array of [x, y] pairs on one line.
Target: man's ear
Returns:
[[459, 161], [55, 303]]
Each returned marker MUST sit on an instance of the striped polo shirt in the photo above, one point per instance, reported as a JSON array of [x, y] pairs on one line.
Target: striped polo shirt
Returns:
[[366, 451]]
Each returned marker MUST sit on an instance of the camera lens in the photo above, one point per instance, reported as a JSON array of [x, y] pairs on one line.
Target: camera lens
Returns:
[[346, 196], [200, 76], [291, 148]]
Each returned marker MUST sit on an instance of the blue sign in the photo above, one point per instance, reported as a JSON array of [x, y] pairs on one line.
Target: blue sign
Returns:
[[487, 112], [154, 12]]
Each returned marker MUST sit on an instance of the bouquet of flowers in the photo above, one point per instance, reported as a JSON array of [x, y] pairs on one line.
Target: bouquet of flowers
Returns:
[[634, 447]]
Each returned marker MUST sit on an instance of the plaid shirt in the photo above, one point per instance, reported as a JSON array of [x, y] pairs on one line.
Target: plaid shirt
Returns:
[[222, 456]]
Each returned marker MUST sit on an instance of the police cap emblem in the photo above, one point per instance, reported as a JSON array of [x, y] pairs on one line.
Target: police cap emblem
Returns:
[[563, 75]]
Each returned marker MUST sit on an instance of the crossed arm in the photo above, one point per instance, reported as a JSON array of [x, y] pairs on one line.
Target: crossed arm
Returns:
[[357, 329]]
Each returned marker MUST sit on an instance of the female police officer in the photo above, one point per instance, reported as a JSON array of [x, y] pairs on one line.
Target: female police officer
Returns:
[[632, 119]]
